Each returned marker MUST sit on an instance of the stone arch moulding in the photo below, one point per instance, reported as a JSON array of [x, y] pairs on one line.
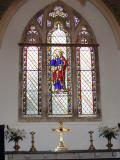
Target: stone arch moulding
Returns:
[[13, 8], [98, 4], [110, 19]]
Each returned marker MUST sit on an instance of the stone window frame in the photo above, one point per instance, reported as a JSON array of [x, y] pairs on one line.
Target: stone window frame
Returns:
[[43, 43]]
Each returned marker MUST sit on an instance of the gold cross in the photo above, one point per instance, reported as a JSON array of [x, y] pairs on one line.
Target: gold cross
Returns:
[[61, 130]]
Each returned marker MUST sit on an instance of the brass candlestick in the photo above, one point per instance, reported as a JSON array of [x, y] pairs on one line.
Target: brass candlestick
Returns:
[[61, 130], [32, 149], [92, 147]]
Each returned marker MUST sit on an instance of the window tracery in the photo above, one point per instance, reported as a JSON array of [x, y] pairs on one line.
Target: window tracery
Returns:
[[59, 71]]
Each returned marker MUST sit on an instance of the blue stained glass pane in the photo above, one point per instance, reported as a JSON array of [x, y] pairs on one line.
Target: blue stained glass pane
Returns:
[[76, 21]]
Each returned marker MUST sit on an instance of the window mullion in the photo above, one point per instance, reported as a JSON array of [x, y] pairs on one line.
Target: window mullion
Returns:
[[74, 82], [44, 69], [44, 82], [98, 98]]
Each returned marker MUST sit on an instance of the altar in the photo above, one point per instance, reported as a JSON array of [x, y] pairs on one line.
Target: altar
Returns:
[[61, 151], [70, 154]]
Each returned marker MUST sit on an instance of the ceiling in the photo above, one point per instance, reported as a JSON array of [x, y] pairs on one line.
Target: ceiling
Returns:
[[4, 4], [113, 5]]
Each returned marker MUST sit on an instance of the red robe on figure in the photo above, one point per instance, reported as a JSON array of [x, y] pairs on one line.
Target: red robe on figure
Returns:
[[65, 63]]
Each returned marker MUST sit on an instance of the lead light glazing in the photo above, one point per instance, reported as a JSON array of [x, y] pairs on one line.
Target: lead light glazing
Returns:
[[59, 66]]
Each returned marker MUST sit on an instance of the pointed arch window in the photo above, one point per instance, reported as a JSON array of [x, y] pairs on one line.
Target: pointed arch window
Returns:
[[59, 75]]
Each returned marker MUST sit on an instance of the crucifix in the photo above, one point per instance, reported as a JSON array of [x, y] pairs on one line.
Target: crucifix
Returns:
[[61, 130]]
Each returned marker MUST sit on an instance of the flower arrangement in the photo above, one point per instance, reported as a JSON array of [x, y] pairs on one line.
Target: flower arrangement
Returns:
[[14, 135], [109, 133]]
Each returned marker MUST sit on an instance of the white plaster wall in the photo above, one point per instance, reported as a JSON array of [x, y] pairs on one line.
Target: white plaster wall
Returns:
[[109, 56]]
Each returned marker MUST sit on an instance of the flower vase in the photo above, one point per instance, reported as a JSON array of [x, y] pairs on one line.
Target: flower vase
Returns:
[[109, 145], [16, 146]]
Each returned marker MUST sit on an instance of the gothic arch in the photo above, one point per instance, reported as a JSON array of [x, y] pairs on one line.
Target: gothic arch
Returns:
[[99, 4], [61, 64]]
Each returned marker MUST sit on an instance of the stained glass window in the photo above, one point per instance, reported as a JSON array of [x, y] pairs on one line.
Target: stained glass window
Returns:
[[60, 77], [58, 12], [40, 20], [32, 35], [68, 23], [59, 73], [86, 81], [76, 21], [31, 80]]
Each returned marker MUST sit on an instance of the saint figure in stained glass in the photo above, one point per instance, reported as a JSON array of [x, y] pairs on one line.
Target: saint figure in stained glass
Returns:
[[58, 64]]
